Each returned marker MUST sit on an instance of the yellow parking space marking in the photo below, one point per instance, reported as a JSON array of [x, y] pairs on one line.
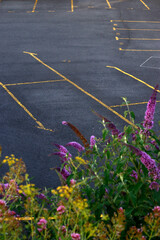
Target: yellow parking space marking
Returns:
[[34, 7], [51, 11], [139, 39], [132, 21], [81, 89], [139, 80], [72, 6], [40, 125], [144, 4], [109, 5], [25, 83], [139, 50], [136, 29], [131, 104]]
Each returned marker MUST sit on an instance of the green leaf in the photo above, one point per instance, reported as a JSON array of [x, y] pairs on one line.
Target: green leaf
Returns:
[[132, 115]]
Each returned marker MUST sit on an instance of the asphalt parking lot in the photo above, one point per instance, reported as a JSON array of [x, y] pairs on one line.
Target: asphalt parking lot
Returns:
[[61, 59]]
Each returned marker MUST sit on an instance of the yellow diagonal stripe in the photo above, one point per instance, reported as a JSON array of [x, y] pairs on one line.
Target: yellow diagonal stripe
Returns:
[[82, 90], [139, 80]]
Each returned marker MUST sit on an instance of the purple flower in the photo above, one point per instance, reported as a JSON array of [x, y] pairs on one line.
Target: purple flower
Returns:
[[120, 135], [42, 224], [64, 173], [41, 196], [2, 202], [61, 209], [149, 114], [154, 185], [92, 141], [134, 135], [63, 149], [134, 174], [63, 156], [75, 236], [148, 162], [64, 123], [76, 145]]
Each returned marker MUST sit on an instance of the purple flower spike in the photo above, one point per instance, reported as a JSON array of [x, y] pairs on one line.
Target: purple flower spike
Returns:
[[63, 156], [134, 175], [149, 114], [64, 173], [92, 141], [148, 162], [65, 123], [154, 185], [76, 145], [62, 149]]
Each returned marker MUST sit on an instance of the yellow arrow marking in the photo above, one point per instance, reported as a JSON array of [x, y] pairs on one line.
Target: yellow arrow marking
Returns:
[[109, 5], [118, 69], [139, 50], [35, 4], [145, 4], [81, 89], [40, 125]]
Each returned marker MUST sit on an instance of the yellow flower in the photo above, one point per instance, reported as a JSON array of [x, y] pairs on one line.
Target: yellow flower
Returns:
[[28, 189], [10, 160], [81, 160], [54, 192]]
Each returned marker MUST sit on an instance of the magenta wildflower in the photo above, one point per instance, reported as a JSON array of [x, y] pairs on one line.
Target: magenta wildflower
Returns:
[[64, 123], [42, 224], [63, 228], [2, 202], [121, 210], [75, 236], [134, 175], [76, 145], [11, 213], [72, 181], [92, 141], [61, 209], [154, 185], [149, 114]]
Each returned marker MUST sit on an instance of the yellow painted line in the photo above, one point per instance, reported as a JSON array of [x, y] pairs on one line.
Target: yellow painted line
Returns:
[[109, 5], [35, 4], [136, 29], [81, 89], [48, 81], [139, 50], [139, 39], [72, 6], [131, 104], [40, 125], [144, 4], [139, 80], [130, 21]]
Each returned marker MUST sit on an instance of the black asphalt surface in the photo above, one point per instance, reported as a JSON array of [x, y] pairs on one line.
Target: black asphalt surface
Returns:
[[74, 43]]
